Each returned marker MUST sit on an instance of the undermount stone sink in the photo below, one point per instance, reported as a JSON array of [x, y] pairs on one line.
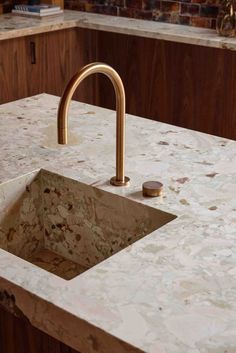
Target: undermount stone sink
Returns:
[[67, 227]]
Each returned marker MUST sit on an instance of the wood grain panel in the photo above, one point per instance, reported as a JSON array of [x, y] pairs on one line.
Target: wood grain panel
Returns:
[[180, 84], [65, 53], [18, 336], [58, 56], [13, 70]]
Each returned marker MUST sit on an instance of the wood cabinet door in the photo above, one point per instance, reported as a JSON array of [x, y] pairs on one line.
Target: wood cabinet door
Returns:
[[45, 63], [185, 85], [14, 62], [59, 55], [19, 336]]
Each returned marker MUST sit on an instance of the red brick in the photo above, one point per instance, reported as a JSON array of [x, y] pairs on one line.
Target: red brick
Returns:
[[151, 4], [170, 6], [184, 20], [134, 4], [190, 9], [144, 15], [127, 12], [201, 22]]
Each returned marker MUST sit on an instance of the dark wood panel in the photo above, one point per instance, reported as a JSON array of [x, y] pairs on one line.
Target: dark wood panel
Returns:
[[180, 84], [13, 69], [86, 54], [185, 85], [65, 53], [45, 63], [18, 336]]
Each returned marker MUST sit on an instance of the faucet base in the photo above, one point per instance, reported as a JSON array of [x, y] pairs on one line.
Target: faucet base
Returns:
[[115, 182]]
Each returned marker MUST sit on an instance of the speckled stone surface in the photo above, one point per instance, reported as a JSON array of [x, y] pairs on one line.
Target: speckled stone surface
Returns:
[[56, 222], [174, 290], [16, 26]]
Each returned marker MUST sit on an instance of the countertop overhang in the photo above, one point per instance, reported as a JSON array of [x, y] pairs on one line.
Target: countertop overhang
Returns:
[[16, 26], [171, 292]]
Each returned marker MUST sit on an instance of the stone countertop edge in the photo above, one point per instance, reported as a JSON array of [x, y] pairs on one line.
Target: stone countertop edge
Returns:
[[15, 26], [172, 291]]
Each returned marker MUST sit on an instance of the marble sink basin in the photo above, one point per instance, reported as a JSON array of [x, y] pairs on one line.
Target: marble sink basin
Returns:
[[67, 227]]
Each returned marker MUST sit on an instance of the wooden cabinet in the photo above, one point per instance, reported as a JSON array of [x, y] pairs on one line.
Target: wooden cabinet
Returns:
[[19, 336], [180, 84], [13, 69], [45, 63], [59, 56]]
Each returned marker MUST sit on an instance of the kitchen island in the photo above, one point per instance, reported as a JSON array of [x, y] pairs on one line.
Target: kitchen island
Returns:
[[174, 290]]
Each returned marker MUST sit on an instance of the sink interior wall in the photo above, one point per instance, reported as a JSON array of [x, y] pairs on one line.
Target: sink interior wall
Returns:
[[65, 226], [21, 216], [87, 224]]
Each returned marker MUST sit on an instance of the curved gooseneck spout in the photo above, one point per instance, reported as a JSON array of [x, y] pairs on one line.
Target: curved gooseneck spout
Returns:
[[62, 118]]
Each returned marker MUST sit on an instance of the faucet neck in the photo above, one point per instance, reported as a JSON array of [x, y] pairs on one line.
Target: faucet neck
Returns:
[[75, 81]]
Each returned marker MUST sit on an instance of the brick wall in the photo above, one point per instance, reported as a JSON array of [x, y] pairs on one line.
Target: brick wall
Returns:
[[199, 13]]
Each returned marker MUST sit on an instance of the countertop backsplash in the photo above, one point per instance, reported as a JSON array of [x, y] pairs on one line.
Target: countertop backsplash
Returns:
[[198, 13]]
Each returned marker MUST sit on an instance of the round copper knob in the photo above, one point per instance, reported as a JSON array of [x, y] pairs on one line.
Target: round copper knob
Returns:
[[152, 188]]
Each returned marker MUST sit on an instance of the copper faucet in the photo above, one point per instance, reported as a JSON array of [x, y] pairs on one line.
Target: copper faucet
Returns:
[[62, 118]]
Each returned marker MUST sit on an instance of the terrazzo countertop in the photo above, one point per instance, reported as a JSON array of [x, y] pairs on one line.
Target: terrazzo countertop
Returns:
[[16, 26], [172, 291]]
